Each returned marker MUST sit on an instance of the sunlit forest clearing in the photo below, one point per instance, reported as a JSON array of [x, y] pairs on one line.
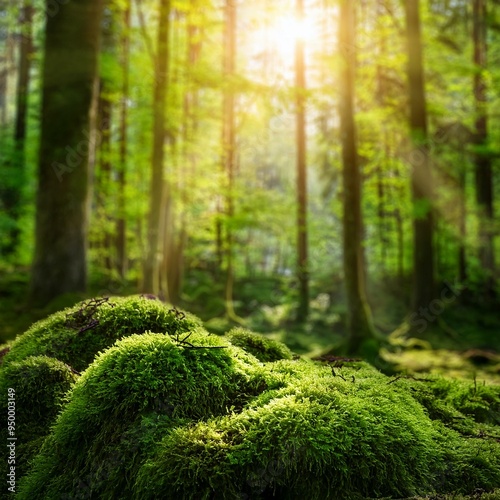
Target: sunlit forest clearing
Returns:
[[250, 250]]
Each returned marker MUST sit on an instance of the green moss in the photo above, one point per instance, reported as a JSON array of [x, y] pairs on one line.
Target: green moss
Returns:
[[70, 337], [459, 404], [40, 384], [195, 416], [143, 385], [262, 348]]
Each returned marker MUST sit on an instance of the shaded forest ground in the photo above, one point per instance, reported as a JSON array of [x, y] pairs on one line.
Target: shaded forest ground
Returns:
[[462, 341]]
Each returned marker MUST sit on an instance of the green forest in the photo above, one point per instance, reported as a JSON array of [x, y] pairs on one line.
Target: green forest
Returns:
[[250, 250]]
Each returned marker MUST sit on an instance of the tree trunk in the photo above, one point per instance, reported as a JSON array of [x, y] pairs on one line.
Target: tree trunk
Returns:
[[104, 111], [398, 193], [153, 258], [302, 260], [229, 144], [421, 175], [121, 227], [359, 321], [12, 195], [484, 178], [381, 216], [187, 174], [67, 137], [6, 69], [462, 256]]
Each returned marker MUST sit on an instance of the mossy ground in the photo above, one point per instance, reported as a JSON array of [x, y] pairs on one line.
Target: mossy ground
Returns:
[[163, 409]]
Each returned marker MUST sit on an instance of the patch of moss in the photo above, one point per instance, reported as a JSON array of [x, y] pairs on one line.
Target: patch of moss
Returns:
[[155, 416], [262, 348], [138, 389], [40, 384], [75, 335], [184, 414], [459, 404]]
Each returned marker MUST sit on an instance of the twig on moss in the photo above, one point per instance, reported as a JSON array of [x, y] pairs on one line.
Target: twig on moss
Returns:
[[399, 377], [184, 343], [83, 319], [336, 359], [72, 370], [178, 314]]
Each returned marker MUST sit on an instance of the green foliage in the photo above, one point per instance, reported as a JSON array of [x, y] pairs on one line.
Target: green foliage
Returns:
[[76, 334], [262, 348]]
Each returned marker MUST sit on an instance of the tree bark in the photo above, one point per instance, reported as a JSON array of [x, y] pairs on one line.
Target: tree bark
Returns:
[[421, 175], [12, 194], [462, 255], [483, 167], [121, 226], [151, 278], [359, 321], [67, 136], [6, 68], [302, 257], [229, 145]]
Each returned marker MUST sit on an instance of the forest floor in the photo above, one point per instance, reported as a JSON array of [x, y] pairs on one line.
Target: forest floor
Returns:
[[462, 341]]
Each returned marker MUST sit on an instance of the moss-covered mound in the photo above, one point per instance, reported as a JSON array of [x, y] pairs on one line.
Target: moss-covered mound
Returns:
[[129, 398], [196, 417], [262, 348], [182, 414], [41, 364], [76, 334], [36, 386]]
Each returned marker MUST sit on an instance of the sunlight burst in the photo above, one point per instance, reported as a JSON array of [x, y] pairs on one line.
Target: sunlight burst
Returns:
[[282, 34]]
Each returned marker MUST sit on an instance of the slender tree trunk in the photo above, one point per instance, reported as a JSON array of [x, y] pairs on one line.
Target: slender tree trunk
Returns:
[[302, 262], [6, 68], [104, 176], [381, 93], [484, 175], [401, 246], [397, 192], [25, 52], [462, 256], [229, 145], [121, 225], [62, 204], [359, 321], [153, 257], [3, 94], [381, 216], [12, 195], [421, 175], [188, 172]]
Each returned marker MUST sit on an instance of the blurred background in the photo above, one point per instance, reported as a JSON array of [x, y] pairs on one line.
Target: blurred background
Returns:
[[321, 171]]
